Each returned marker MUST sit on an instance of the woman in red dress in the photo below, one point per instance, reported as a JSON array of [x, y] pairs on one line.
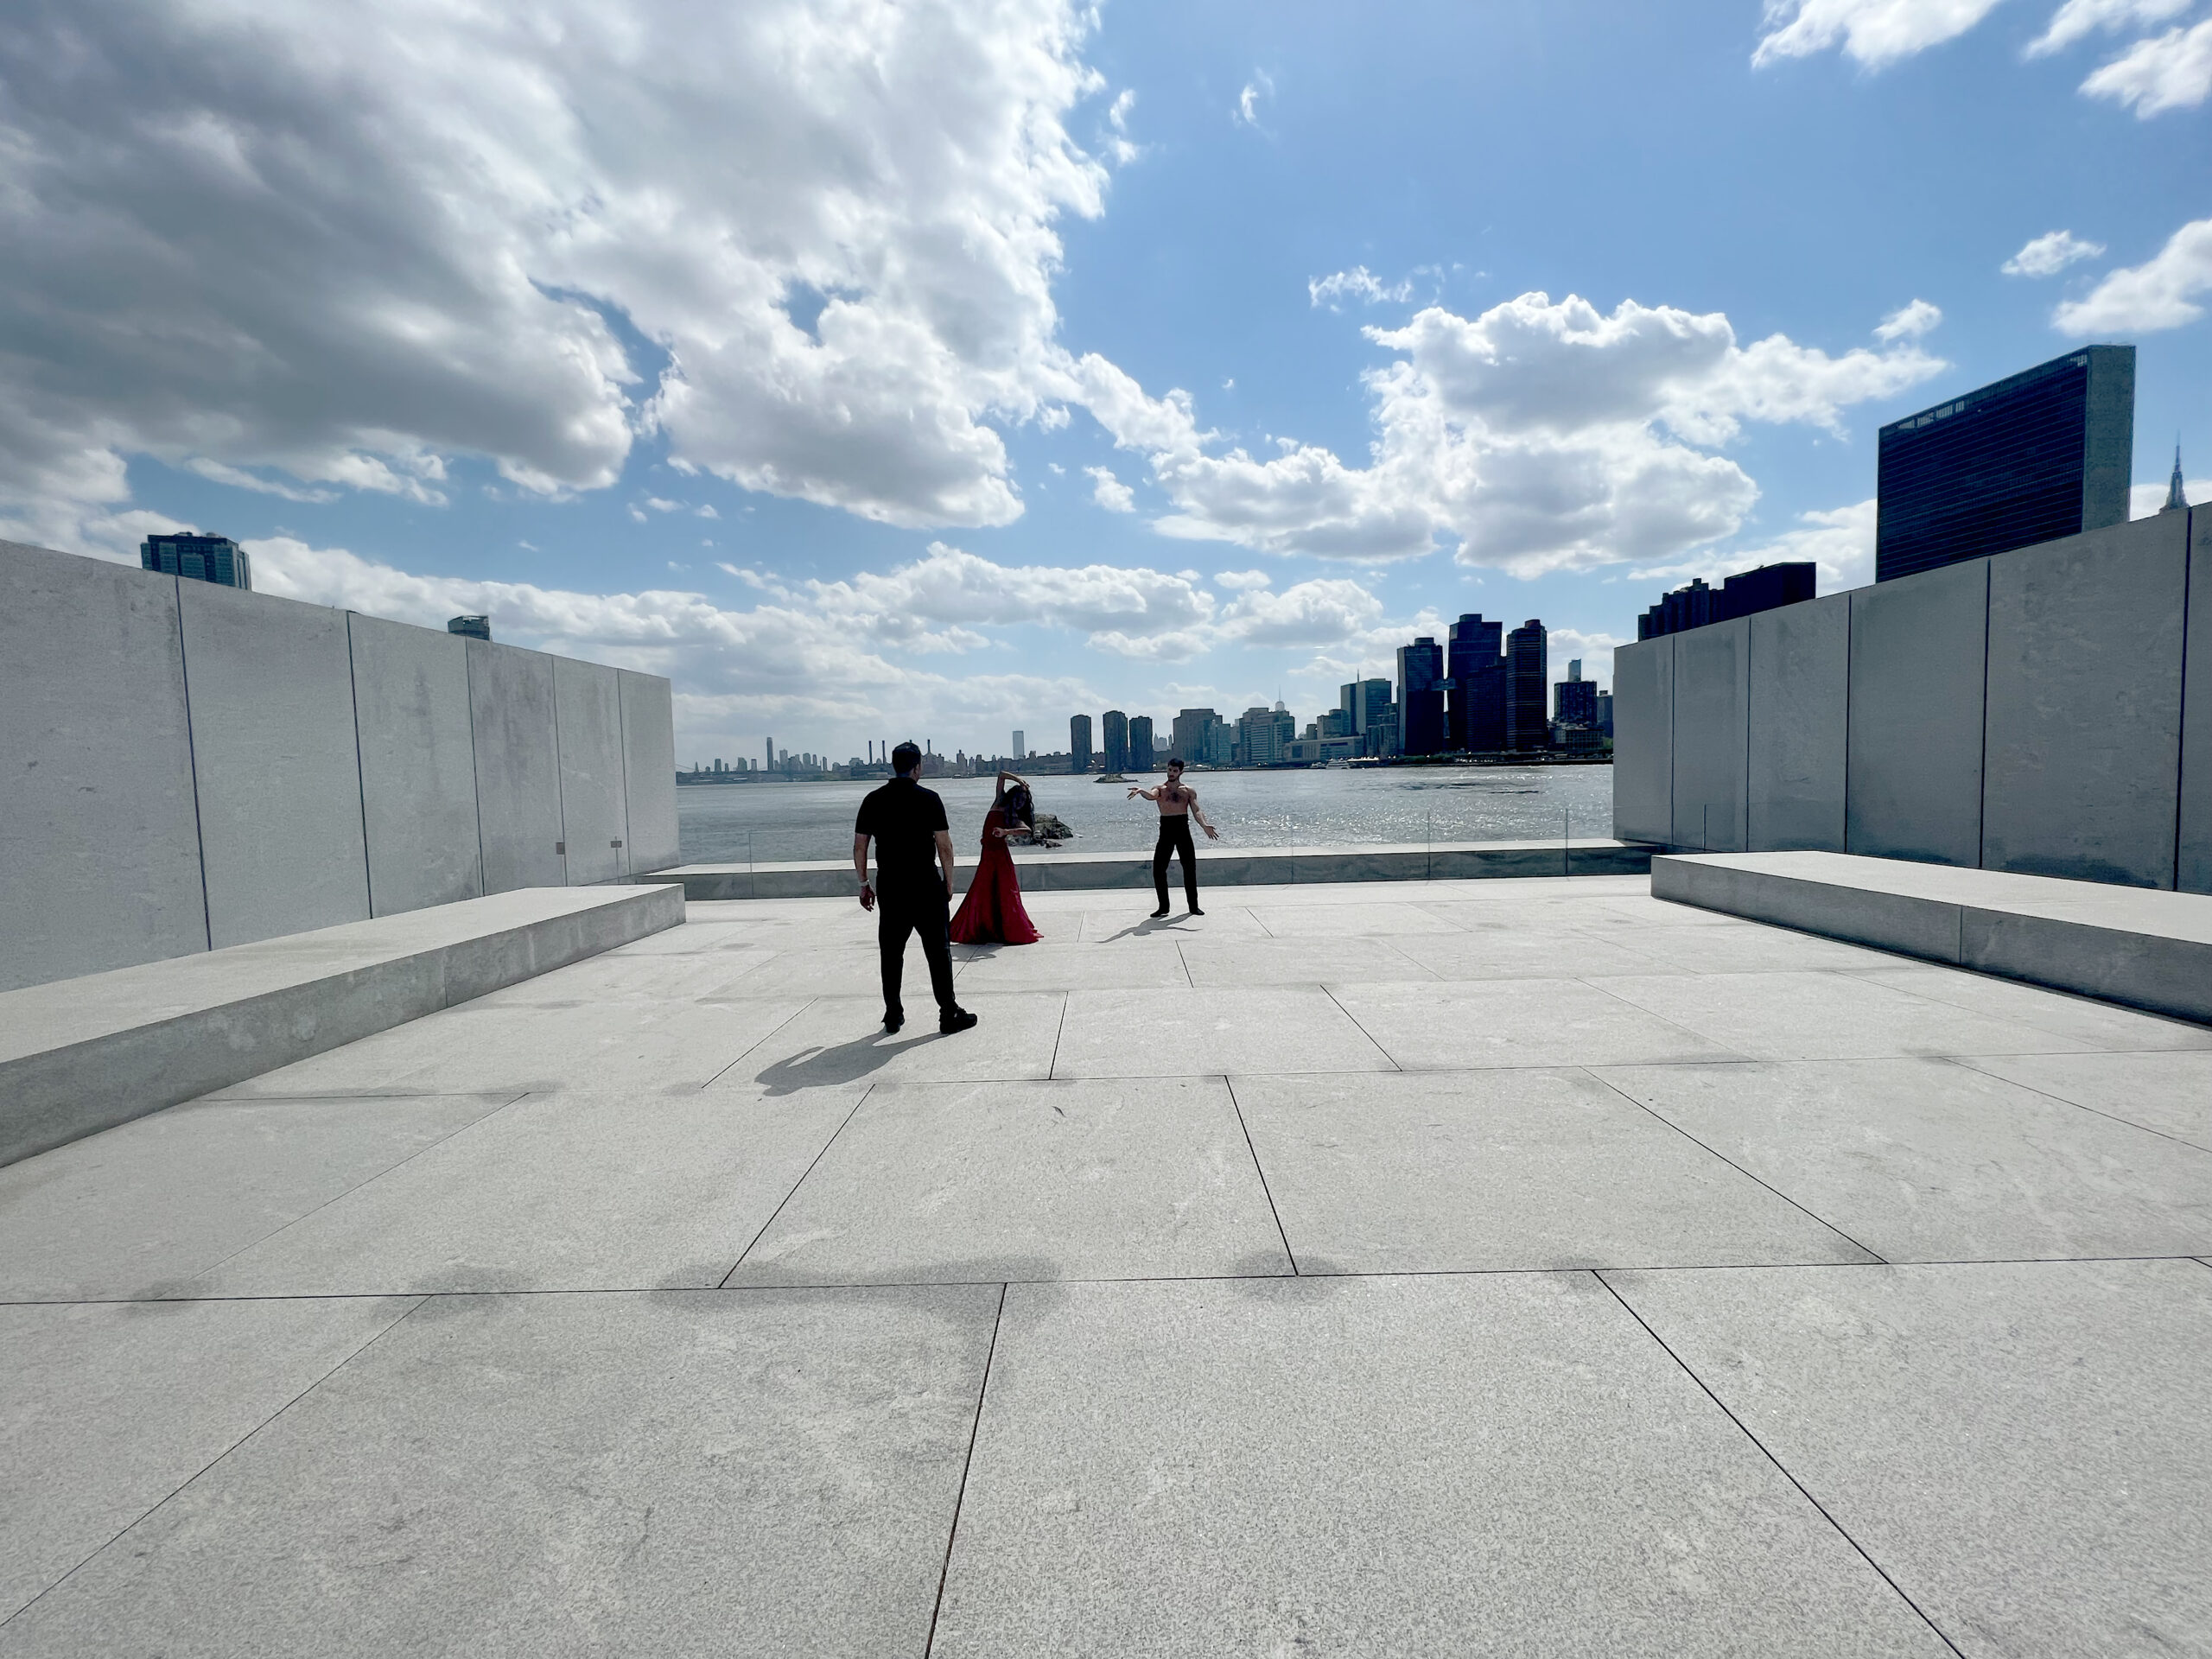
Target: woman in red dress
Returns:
[[992, 911]]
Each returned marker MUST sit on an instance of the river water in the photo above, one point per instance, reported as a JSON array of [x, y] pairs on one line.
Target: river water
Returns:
[[765, 823]]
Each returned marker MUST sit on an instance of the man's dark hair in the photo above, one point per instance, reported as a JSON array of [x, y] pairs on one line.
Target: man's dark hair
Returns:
[[1174, 760], [905, 758]]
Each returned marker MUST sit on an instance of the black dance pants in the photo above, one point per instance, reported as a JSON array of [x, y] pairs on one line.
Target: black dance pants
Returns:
[[1175, 838], [927, 914]]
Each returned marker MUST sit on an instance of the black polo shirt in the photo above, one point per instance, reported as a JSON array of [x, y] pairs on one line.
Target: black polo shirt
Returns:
[[903, 818]]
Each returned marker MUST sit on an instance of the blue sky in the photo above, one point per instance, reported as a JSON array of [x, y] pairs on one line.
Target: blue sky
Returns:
[[880, 369]]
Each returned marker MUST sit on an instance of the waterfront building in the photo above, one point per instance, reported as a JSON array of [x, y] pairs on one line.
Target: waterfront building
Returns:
[[2040, 455], [470, 627], [1114, 739], [1361, 702], [1475, 663], [1140, 757], [1200, 739], [1527, 671], [2176, 497], [1420, 697], [1606, 713], [1745, 594], [1264, 735], [204, 558], [1079, 743], [1574, 699], [1020, 746]]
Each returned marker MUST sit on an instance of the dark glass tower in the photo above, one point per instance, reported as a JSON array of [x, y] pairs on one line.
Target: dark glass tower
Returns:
[[1421, 698], [1527, 671], [2040, 455], [1476, 660], [1114, 737], [1079, 743], [1141, 743], [204, 558]]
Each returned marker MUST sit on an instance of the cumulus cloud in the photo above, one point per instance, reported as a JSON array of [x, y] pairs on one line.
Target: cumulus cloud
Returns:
[[2147, 500], [1908, 322], [1876, 33], [344, 244], [2050, 253], [1539, 436], [2157, 294], [1357, 284], [1840, 541], [2077, 19], [2171, 72], [1109, 492]]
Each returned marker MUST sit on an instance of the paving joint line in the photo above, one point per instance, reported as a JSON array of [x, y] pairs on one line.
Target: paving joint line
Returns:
[[1965, 1063], [1053, 1065], [765, 1036], [1361, 1029], [1266, 1191], [960, 1497], [1746, 1431], [723, 1283]]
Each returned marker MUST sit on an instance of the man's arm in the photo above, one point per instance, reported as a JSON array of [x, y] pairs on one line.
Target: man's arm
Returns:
[[1199, 812], [860, 869], [944, 858], [1144, 794]]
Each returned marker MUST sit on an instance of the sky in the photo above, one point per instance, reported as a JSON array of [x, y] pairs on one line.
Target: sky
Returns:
[[879, 369]]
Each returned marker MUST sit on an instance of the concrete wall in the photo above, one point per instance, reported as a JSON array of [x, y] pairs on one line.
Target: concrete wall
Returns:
[[2193, 836], [182, 764], [2083, 743], [1712, 704], [648, 756], [1919, 646], [1644, 741], [587, 722], [2047, 710], [99, 841], [1799, 726], [418, 765], [269, 685], [518, 766]]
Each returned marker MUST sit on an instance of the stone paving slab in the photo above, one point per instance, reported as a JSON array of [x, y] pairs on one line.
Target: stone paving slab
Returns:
[[2026, 1448], [2170, 1093], [140, 1209], [1921, 1160], [1223, 965], [1188, 1033], [2089, 1023], [1517, 1022], [993, 1182], [1439, 1171], [770, 1474], [585, 1190], [1498, 1464], [107, 1409], [1136, 964], [840, 1039]]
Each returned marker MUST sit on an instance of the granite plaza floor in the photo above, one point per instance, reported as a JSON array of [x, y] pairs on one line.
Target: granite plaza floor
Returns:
[[1484, 1267]]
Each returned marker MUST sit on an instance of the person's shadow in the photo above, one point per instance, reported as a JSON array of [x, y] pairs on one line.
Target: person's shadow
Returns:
[[1149, 924], [825, 1068]]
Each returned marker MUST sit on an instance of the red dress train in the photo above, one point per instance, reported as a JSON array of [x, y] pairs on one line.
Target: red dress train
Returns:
[[992, 911]]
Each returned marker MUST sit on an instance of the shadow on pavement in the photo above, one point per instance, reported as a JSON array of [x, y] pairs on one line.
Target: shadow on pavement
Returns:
[[822, 1068]]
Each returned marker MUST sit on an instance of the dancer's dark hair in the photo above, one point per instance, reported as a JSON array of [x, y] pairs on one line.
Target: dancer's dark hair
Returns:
[[905, 758]]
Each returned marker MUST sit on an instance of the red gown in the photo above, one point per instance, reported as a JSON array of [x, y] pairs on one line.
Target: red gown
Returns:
[[992, 911]]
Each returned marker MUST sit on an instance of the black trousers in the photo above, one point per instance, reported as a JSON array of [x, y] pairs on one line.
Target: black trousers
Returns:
[[1175, 838], [927, 913]]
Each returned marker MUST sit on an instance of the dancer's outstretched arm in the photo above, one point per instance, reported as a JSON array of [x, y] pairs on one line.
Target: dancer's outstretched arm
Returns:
[[1199, 812], [1146, 794]]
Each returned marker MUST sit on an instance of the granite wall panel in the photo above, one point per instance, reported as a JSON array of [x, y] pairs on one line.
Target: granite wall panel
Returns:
[[270, 688], [649, 769], [99, 840], [518, 766], [2083, 737], [1644, 741], [418, 765], [1918, 646], [1712, 702], [588, 715], [1800, 681]]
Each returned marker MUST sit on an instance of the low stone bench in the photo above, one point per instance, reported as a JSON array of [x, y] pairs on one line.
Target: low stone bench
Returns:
[[2141, 946], [1069, 869], [81, 1055]]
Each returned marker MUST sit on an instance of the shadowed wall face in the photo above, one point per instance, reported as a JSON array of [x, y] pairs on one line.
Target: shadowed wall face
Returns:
[[1799, 702], [418, 765], [1914, 784], [1712, 695]]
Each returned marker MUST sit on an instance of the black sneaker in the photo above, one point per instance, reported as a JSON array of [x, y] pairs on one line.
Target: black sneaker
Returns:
[[1162, 911], [893, 1022], [1194, 911], [958, 1020]]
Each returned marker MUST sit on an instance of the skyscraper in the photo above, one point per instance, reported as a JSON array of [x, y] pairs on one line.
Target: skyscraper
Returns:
[[2176, 496], [1141, 743], [1476, 662], [1574, 699], [1526, 671], [1020, 745], [2040, 455], [1079, 744], [204, 558], [1420, 697], [1200, 739], [1115, 739], [1264, 735]]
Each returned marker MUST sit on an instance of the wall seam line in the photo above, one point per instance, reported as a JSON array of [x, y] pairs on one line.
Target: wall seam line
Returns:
[[475, 775], [560, 772], [2181, 723], [192, 760], [360, 769], [1981, 793]]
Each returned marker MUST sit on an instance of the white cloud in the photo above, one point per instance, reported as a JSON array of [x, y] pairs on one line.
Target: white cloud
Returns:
[[1247, 111], [2158, 294], [2171, 72], [1840, 541], [1908, 322], [1537, 436], [2147, 501], [2078, 18], [1109, 492], [661, 504], [2050, 253], [1358, 283], [1875, 33], [1237, 581], [705, 511], [1119, 145], [1595, 651], [345, 243]]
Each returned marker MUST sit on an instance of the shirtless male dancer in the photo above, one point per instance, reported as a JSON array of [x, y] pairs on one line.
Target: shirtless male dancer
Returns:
[[1179, 804]]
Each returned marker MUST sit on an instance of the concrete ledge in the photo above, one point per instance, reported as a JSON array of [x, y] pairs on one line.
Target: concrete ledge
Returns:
[[2145, 948], [1066, 871], [81, 1055]]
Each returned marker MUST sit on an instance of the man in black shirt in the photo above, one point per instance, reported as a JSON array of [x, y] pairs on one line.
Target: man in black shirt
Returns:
[[907, 824]]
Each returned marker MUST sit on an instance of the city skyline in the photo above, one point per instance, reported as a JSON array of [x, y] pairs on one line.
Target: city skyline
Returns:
[[1168, 359]]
